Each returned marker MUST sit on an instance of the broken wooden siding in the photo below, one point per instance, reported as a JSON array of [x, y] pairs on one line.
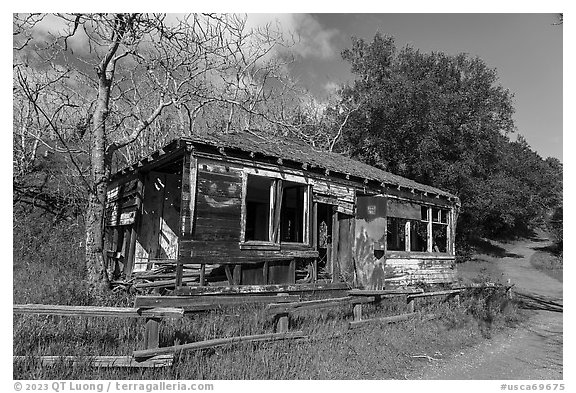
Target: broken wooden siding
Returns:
[[369, 239], [424, 269], [208, 228], [158, 227]]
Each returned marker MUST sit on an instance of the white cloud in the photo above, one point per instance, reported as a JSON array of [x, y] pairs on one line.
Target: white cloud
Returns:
[[312, 38]]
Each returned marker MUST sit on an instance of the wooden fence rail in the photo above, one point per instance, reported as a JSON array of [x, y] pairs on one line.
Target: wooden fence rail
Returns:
[[153, 317], [155, 308], [95, 311], [146, 353]]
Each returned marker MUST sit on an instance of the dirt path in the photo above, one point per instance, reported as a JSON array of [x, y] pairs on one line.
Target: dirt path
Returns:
[[532, 351]]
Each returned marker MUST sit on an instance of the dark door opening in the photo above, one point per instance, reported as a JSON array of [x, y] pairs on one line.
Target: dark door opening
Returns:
[[325, 213]]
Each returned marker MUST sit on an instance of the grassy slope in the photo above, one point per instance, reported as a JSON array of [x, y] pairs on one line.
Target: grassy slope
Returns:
[[47, 269]]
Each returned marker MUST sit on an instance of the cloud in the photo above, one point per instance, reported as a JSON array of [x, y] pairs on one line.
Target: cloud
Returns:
[[312, 39]]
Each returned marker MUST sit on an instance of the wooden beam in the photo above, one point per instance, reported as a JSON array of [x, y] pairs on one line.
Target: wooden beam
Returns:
[[292, 271], [103, 361], [265, 270], [129, 262], [279, 308], [201, 303], [382, 292], [237, 274], [217, 342], [262, 289], [385, 320], [188, 206], [202, 274], [335, 241], [438, 293], [164, 283], [228, 274], [94, 311]]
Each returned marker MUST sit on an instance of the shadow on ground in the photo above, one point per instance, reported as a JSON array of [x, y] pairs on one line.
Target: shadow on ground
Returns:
[[484, 246], [538, 302]]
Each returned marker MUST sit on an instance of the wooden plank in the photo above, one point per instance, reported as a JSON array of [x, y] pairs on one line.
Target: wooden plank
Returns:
[[265, 269], [197, 303], [385, 320], [164, 283], [236, 275], [438, 293], [103, 361], [357, 312], [292, 272], [202, 275], [188, 205], [218, 342], [152, 334], [95, 311], [261, 289], [228, 274], [335, 251], [381, 292], [129, 263], [276, 308]]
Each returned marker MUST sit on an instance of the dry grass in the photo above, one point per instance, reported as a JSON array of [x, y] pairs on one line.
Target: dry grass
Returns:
[[48, 269]]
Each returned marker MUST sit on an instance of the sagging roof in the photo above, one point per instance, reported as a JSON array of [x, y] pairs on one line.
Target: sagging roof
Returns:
[[292, 150]]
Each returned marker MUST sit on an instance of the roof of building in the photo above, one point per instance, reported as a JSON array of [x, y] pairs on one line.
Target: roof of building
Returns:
[[289, 149]]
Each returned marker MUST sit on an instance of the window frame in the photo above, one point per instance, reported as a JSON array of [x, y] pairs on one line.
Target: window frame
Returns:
[[429, 221], [270, 244]]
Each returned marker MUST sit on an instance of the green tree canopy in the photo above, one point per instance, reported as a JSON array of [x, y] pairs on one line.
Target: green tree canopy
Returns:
[[444, 120]]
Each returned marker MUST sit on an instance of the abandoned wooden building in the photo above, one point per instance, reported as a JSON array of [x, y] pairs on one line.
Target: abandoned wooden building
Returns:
[[241, 208]]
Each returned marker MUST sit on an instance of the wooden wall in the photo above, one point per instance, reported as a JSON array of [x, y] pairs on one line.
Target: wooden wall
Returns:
[[158, 226], [213, 238], [429, 269]]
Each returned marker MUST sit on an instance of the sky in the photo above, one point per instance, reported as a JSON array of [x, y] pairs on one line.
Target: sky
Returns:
[[525, 49]]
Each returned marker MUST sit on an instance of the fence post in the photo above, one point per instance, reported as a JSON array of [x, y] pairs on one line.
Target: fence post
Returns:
[[410, 304], [152, 335], [282, 323], [357, 312]]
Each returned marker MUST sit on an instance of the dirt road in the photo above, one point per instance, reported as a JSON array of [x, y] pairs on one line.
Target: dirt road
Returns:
[[532, 351]]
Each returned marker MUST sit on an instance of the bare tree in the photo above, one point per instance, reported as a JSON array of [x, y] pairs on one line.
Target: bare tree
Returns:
[[99, 85]]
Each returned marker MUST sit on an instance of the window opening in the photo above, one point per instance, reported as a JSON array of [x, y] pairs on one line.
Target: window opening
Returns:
[[258, 208]]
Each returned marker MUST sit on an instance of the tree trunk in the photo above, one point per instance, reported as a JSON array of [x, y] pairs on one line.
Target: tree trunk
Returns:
[[100, 166]]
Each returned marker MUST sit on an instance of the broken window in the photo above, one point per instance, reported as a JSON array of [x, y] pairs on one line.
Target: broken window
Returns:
[[439, 230], [396, 234], [258, 208], [418, 236], [416, 228], [276, 210], [292, 217]]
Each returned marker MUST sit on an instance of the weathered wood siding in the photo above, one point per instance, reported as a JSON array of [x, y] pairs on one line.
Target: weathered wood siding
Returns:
[[158, 226], [429, 269]]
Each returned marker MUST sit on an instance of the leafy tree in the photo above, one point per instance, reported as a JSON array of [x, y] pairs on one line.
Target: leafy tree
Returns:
[[444, 120]]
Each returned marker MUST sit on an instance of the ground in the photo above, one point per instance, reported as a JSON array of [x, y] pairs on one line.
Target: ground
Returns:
[[532, 351]]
